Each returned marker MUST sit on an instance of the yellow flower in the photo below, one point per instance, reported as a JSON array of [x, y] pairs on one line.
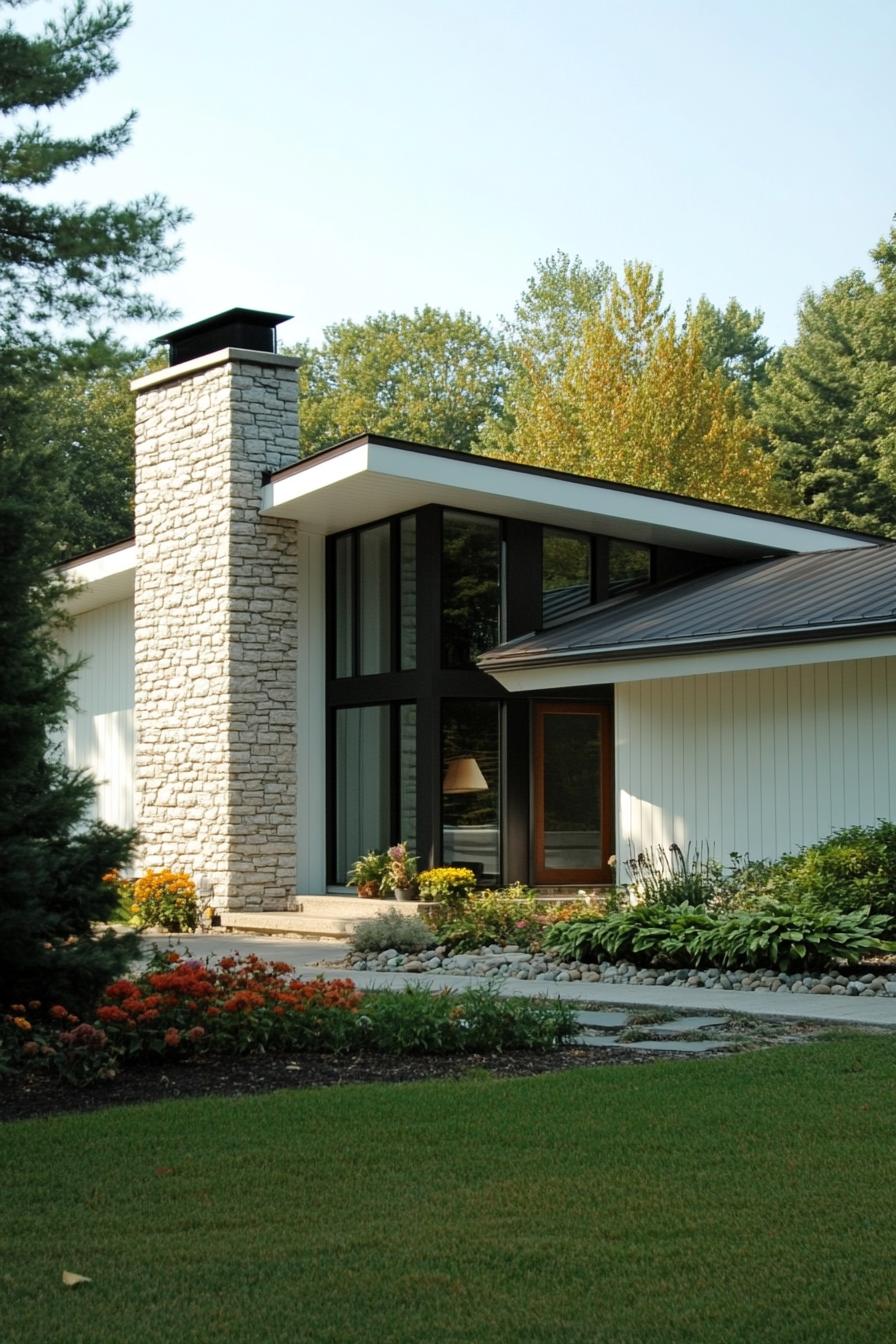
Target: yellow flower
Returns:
[[22, 1023]]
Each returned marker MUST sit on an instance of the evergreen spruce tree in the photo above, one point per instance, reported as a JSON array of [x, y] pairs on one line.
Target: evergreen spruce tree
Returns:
[[830, 404], [62, 268]]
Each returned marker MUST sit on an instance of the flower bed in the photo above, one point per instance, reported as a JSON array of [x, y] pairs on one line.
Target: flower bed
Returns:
[[180, 1008]]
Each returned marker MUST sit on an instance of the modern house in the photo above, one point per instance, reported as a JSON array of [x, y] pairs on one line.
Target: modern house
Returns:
[[530, 672]]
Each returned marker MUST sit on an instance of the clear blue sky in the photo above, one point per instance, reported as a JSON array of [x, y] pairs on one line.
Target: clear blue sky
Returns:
[[355, 155]]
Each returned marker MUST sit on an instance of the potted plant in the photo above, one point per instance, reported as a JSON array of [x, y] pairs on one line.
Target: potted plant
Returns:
[[401, 871], [368, 874]]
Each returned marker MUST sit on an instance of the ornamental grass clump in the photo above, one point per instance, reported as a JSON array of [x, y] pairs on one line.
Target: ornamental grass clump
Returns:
[[166, 900], [392, 929]]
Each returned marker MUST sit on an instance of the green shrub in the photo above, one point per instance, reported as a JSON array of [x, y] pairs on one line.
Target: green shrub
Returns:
[[852, 868], [406, 933], [508, 915], [806, 935], [414, 1021]]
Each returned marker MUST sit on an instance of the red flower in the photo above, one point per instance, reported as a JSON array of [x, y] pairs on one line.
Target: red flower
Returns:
[[110, 1012], [58, 1011], [172, 1036], [195, 1034]]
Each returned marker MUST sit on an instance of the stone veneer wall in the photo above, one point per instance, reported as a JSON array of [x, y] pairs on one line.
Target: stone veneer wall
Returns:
[[216, 628]]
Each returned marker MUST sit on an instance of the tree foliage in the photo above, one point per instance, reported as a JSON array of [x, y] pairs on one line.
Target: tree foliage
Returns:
[[637, 403], [733, 343], [429, 376], [52, 862], [542, 337], [830, 404], [69, 264], [61, 267]]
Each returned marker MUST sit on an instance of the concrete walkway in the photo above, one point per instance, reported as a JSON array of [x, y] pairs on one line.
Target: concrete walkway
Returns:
[[305, 956]]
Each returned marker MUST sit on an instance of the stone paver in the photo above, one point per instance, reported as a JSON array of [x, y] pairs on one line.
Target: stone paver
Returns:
[[755, 1003], [589, 1019], [661, 1047], [683, 1024]]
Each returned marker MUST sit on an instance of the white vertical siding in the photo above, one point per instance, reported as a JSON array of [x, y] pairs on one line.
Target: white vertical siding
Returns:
[[100, 731], [756, 762]]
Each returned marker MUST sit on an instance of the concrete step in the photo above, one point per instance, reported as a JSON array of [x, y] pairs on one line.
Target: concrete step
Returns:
[[330, 916]]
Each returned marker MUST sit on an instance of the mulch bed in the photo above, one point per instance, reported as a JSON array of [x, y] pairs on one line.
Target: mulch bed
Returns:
[[30, 1097]]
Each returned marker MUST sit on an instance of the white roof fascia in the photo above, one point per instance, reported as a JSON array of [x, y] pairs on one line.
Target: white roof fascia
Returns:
[[372, 480], [98, 580], [599, 673]]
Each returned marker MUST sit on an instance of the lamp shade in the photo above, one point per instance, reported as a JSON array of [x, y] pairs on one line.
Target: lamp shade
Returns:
[[462, 775]]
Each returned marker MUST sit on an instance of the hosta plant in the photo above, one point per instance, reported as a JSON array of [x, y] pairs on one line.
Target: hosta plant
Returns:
[[805, 935]]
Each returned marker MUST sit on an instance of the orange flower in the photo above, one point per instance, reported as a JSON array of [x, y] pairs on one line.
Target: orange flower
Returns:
[[172, 1036], [58, 1011], [30, 1048], [195, 1034], [112, 1013], [22, 1023]]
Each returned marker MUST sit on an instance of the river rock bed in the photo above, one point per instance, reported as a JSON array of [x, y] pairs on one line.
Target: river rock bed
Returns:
[[512, 962]]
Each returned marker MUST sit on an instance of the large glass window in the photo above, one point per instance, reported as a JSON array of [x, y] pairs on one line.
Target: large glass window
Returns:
[[471, 786], [471, 587], [362, 783], [565, 573], [628, 565], [375, 599]]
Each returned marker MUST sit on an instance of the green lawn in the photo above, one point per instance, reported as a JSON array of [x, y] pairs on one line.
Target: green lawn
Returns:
[[749, 1198]]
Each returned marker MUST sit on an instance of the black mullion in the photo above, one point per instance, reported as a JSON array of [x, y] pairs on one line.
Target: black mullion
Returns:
[[600, 569], [394, 595], [356, 603]]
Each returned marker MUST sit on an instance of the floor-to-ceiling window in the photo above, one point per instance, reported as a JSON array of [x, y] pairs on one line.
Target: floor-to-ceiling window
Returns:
[[422, 746]]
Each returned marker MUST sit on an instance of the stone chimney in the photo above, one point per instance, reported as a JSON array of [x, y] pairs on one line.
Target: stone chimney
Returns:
[[215, 614]]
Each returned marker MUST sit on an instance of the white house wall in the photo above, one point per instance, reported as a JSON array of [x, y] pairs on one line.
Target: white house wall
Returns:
[[100, 731], [756, 762]]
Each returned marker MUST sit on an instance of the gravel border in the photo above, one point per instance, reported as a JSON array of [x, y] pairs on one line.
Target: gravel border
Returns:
[[513, 962]]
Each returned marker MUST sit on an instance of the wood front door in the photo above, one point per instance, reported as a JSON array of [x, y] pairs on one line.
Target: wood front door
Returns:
[[573, 794]]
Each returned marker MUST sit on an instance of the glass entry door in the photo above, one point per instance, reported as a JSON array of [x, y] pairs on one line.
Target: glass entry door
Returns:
[[573, 795]]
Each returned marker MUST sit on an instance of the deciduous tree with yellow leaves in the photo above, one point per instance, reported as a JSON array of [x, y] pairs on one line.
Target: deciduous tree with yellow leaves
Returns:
[[637, 404]]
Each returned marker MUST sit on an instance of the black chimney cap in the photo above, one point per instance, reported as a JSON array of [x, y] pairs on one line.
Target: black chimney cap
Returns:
[[242, 328]]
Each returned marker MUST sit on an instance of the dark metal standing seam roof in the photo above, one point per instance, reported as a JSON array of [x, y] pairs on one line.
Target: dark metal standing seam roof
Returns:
[[800, 597]]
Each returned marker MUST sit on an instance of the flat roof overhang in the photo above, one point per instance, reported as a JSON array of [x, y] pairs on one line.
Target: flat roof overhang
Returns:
[[101, 577], [372, 477]]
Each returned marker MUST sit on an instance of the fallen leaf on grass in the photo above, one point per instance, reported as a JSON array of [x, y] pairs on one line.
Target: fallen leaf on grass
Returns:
[[72, 1280]]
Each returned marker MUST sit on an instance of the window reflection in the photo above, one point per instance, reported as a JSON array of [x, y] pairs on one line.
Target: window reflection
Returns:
[[471, 587], [362, 783], [628, 564], [375, 605], [471, 757], [565, 573]]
